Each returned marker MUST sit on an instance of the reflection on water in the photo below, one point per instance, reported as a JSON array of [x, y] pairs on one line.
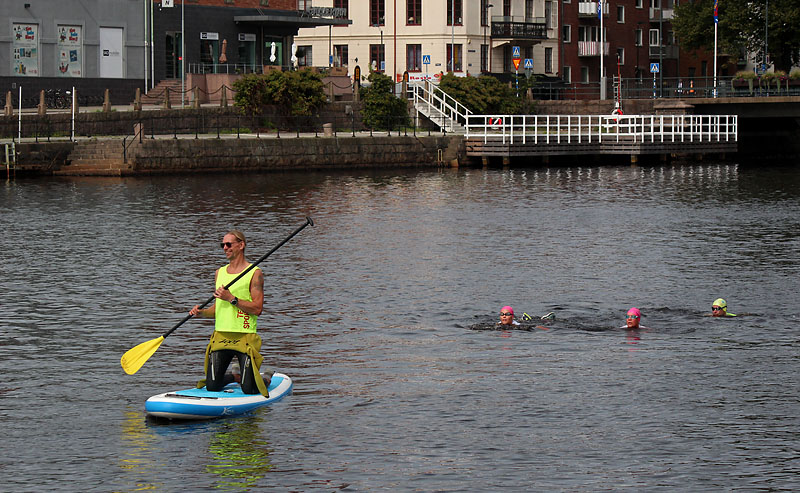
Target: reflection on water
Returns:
[[370, 313], [240, 454]]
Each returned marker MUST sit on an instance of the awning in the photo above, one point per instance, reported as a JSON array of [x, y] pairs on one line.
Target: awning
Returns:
[[294, 20]]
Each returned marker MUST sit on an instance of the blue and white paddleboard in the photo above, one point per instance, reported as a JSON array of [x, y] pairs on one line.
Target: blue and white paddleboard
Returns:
[[204, 404]]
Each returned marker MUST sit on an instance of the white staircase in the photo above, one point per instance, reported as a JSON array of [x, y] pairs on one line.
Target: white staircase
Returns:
[[438, 106]]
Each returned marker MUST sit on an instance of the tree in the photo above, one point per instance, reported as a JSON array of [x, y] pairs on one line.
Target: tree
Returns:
[[382, 109], [741, 27]]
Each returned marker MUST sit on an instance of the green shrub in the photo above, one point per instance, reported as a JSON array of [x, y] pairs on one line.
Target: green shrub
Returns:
[[296, 93], [745, 75], [382, 109], [483, 95], [795, 74]]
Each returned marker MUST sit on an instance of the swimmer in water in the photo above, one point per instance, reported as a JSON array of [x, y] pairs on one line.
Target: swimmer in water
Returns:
[[720, 309], [632, 319], [507, 316]]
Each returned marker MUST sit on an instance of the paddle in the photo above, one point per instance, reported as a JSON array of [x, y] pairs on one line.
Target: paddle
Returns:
[[135, 357]]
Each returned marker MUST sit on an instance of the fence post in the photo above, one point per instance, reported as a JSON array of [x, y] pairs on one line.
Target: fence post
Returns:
[[167, 102], [42, 105], [224, 101], [107, 100], [137, 101], [9, 109]]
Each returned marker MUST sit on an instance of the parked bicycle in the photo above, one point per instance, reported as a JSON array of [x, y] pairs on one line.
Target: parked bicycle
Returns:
[[56, 98]]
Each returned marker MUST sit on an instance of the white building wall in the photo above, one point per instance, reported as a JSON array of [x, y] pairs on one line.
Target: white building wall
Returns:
[[433, 34]]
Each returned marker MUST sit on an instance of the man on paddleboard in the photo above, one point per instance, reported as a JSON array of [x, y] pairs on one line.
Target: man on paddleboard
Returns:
[[236, 312]]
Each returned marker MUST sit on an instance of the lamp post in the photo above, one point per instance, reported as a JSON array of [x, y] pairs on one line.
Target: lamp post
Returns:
[[183, 57], [453, 36], [486, 22], [380, 48]]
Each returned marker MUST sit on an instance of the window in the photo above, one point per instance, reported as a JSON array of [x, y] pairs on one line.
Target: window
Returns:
[[528, 52], [304, 56], [414, 11], [566, 33], [654, 38], [529, 9], [377, 12], [621, 55], [548, 60], [703, 68], [303, 4], [454, 4], [414, 58], [506, 8], [567, 76], [454, 56], [585, 75], [342, 4], [620, 14], [484, 13], [638, 41], [638, 4], [377, 54], [484, 58], [548, 15], [340, 56]]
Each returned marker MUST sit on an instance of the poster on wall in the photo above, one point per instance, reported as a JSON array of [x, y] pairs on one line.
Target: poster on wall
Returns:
[[70, 56], [25, 46]]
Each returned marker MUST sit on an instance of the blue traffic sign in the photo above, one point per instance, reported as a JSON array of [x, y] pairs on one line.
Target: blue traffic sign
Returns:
[[528, 63], [654, 68], [426, 59], [515, 52]]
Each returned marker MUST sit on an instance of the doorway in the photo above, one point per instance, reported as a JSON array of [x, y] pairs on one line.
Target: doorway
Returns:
[[173, 53]]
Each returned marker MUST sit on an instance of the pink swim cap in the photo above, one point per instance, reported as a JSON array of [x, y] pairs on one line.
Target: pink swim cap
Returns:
[[507, 309], [635, 311]]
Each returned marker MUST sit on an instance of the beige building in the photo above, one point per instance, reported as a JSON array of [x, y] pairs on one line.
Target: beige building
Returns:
[[395, 36]]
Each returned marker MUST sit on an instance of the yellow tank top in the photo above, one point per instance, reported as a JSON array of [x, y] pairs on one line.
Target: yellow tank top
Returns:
[[229, 318]]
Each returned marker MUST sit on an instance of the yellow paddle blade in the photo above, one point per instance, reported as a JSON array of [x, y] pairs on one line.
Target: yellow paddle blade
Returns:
[[135, 357]]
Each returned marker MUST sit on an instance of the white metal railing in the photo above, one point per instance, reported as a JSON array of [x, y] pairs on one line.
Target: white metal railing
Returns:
[[437, 105], [591, 48], [549, 129]]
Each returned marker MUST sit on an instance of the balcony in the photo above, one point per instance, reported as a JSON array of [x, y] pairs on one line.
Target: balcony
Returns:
[[518, 28], [591, 48], [668, 51], [589, 9], [656, 14]]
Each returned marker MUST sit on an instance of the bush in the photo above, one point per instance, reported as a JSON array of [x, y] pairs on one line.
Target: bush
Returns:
[[795, 74], [382, 109], [745, 75], [296, 93], [483, 95]]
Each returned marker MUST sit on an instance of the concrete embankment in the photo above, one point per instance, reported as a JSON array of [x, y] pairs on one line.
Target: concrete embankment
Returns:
[[105, 157]]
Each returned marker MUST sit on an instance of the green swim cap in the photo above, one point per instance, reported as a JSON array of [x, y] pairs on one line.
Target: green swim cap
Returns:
[[720, 303]]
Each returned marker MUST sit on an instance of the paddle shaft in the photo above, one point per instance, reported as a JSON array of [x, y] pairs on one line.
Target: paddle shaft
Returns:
[[308, 222]]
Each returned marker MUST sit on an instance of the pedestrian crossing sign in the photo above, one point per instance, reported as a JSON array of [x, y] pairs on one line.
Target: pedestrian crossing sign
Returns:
[[654, 68], [528, 63], [426, 59], [515, 52]]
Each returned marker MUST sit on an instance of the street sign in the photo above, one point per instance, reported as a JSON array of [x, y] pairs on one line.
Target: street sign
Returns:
[[426, 59], [654, 68], [528, 63], [515, 53], [166, 3], [516, 63]]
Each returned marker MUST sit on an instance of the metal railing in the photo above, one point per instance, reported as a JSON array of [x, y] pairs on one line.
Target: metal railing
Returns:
[[547, 129], [437, 105]]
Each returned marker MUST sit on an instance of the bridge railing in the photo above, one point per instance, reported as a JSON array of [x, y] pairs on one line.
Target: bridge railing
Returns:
[[550, 129]]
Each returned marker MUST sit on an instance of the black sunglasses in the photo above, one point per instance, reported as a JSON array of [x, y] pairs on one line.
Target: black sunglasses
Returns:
[[227, 244]]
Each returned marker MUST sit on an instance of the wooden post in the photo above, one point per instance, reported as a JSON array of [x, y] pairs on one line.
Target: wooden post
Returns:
[[137, 102], [107, 101], [223, 103], [42, 105], [9, 109]]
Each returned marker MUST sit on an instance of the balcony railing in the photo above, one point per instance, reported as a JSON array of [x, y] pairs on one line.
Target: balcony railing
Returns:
[[666, 14], [518, 28], [589, 9], [668, 51], [591, 48]]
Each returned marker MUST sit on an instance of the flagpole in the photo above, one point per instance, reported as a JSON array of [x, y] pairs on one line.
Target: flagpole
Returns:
[[602, 44], [716, 22]]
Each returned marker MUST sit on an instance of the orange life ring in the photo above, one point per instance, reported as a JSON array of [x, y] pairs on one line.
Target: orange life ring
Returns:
[[617, 111]]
